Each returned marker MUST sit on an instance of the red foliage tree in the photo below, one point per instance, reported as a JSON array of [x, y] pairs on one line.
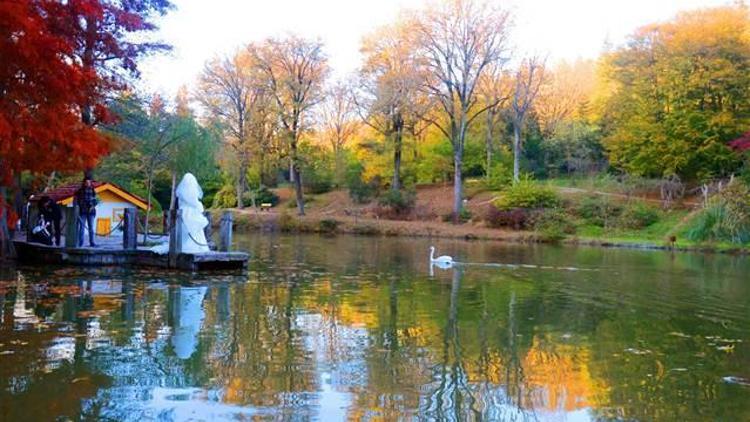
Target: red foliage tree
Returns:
[[41, 88], [59, 60]]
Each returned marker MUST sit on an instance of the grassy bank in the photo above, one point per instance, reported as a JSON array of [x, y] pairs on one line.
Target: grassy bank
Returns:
[[582, 216]]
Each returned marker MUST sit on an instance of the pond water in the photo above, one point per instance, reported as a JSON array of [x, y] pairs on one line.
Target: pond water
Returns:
[[358, 328]]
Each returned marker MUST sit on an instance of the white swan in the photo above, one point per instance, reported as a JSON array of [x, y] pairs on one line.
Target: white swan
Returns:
[[441, 260]]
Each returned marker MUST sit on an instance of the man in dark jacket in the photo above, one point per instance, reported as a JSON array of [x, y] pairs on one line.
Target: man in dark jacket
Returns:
[[85, 198], [53, 214]]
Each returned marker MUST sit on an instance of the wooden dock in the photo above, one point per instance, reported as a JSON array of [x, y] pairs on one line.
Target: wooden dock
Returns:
[[108, 254]]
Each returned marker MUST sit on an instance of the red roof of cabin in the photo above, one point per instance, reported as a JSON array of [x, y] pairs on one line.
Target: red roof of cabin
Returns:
[[64, 192]]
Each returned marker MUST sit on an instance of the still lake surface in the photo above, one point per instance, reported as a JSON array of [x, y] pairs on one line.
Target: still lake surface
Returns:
[[337, 328]]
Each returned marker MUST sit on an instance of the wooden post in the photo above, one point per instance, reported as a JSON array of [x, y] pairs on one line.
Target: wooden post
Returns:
[[225, 232], [175, 241], [129, 232], [71, 226], [208, 231]]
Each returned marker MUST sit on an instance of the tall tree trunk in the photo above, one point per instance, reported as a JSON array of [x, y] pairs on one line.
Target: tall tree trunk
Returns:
[[516, 152], [488, 170], [172, 202], [297, 181], [397, 147], [240, 188], [242, 180], [173, 196], [89, 64], [148, 205], [18, 202], [7, 250], [238, 193], [339, 167], [458, 156], [488, 143]]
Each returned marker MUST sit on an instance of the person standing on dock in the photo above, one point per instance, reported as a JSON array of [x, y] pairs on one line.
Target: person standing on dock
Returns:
[[52, 213], [85, 198]]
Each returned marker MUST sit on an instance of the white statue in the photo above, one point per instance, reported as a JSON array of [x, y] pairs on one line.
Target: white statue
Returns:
[[189, 194]]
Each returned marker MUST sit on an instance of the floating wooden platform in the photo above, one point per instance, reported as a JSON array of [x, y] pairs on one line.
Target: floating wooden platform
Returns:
[[36, 253]]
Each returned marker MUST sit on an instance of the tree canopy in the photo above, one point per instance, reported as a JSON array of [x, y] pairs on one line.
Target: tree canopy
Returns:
[[680, 92]]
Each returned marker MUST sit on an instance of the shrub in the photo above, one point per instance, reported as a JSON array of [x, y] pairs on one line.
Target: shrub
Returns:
[[637, 216], [318, 183], [328, 225], [400, 201], [360, 191], [317, 168], [745, 171], [226, 197], [516, 219], [599, 210], [501, 176], [527, 194], [465, 215], [726, 218], [553, 224]]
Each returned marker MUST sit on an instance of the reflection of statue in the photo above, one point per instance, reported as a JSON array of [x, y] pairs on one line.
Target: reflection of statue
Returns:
[[187, 324], [189, 194]]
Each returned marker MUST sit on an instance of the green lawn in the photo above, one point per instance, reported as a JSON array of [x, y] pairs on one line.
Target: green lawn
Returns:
[[655, 233]]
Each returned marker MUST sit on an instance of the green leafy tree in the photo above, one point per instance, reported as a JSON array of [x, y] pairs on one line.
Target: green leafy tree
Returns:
[[679, 93], [156, 140]]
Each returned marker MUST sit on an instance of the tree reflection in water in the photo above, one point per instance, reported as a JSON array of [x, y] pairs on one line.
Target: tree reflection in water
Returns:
[[353, 328]]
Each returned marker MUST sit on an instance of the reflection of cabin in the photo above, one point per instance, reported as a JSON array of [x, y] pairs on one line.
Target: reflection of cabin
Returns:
[[113, 200]]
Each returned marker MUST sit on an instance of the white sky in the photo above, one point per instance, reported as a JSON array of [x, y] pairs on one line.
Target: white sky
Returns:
[[202, 29]]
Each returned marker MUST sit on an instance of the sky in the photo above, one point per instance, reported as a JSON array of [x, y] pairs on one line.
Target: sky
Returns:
[[561, 29]]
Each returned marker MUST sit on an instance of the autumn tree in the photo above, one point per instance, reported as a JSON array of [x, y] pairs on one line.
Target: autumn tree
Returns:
[[388, 96], [41, 87], [263, 132], [229, 90], [294, 71], [182, 102], [338, 121], [458, 40], [566, 119], [565, 94], [526, 85], [495, 89], [679, 94]]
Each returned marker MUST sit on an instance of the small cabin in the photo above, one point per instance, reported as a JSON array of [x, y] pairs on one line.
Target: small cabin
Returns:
[[113, 200]]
